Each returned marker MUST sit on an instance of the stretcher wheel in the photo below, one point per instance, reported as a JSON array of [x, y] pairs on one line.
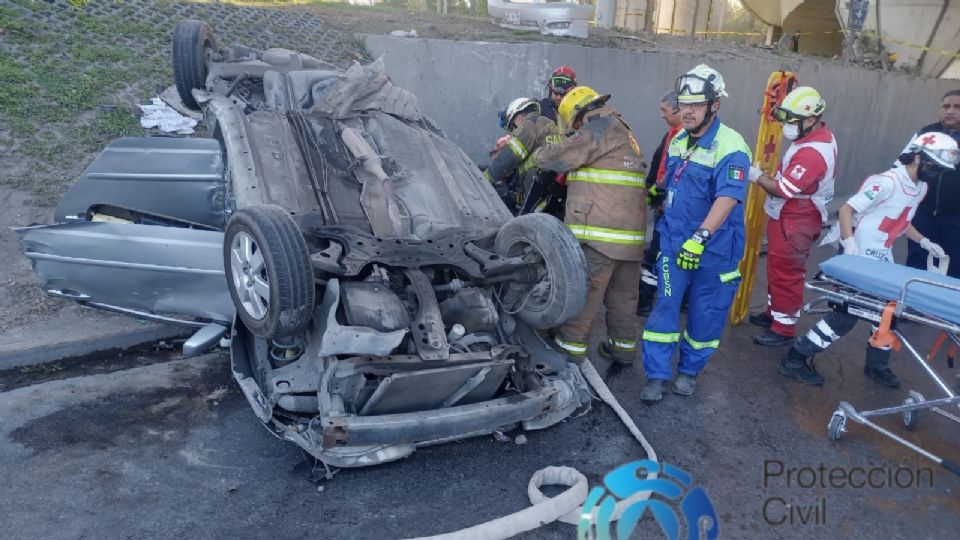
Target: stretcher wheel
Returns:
[[910, 417], [836, 427]]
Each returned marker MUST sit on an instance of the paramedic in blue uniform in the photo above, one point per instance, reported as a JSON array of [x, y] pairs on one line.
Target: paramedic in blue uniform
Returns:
[[701, 236]]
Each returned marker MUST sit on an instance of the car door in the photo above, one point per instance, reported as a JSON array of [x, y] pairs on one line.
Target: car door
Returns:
[[140, 232]]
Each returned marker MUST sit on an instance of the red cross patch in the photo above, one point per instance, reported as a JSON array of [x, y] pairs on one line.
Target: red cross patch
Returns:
[[928, 140], [797, 172], [875, 188]]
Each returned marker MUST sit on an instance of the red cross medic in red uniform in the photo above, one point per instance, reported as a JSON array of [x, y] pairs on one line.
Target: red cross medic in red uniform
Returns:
[[797, 207]]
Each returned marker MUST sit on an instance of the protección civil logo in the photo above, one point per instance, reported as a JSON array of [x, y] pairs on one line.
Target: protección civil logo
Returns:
[[681, 509]]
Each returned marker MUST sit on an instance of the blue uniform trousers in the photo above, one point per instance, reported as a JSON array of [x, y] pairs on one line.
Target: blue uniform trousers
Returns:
[[711, 291]]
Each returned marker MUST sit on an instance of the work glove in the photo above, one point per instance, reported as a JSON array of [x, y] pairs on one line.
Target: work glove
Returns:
[[692, 249], [755, 173], [655, 197], [850, 246], [934, 249]]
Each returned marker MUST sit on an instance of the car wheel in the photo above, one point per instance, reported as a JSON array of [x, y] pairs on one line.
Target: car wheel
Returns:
[[268, 271], [548, 245], [193, 43]]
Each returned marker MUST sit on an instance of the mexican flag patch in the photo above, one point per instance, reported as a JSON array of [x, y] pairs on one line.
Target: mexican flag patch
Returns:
[[735, 172]]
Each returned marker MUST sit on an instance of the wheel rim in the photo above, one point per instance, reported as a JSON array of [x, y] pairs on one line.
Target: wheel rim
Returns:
[[249, 274], [909, 416]]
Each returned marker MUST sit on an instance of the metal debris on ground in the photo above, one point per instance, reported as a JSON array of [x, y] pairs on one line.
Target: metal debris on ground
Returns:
[[499, 436]]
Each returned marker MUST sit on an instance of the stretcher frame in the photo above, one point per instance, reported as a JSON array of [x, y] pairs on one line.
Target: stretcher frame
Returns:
[[840, 296]]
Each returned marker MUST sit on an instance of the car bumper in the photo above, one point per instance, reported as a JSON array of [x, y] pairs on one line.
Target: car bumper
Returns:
[[429, 426]]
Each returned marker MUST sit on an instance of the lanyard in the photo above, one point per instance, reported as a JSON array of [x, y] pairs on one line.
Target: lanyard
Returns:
[[683, 166]]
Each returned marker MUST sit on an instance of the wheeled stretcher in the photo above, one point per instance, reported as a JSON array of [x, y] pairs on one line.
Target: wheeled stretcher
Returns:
[[886, 294]]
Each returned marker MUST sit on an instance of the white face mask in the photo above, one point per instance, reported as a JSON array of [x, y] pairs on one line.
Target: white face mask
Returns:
[[791, 131]]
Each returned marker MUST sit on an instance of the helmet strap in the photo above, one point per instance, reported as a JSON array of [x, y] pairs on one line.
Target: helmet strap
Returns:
[[707, 118], [804, 131]]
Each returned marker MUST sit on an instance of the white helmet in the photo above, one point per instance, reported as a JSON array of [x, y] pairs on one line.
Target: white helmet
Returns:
[[702, 83], [939, 147], [518, 106]]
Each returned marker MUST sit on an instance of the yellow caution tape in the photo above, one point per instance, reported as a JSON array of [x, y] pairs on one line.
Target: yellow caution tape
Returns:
[[952, 54]]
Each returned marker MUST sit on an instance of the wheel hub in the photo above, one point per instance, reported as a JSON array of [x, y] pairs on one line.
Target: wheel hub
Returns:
[[249, 276]]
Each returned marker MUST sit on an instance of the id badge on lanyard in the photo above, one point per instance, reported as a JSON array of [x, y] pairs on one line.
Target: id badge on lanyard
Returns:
[[672, 192]]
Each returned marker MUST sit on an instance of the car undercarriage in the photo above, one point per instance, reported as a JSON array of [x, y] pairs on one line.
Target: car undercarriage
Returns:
[[375, 293]]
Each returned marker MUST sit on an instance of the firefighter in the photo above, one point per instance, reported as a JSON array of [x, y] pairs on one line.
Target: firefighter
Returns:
[[605, 211], [870, 222], [797, 207], [511, 169], [562, 80], [701, 236]]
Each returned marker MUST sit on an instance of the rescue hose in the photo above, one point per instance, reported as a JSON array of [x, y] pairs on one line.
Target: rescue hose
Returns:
[[565, 507]]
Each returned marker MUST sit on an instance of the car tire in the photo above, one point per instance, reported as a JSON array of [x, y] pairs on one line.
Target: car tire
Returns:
[[562, 261], [193, 41], [267, 266]]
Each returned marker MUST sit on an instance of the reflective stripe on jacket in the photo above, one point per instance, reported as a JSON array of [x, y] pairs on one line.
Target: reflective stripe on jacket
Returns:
[[533, 132], [606, 189]]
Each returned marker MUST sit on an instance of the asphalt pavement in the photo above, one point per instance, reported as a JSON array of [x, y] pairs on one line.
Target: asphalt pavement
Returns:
[[170, 449]]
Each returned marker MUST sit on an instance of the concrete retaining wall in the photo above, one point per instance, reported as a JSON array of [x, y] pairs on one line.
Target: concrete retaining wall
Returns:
[[462, 85]]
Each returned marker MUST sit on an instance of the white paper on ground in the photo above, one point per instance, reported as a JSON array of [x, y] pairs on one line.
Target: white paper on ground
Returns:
[[161, 116]]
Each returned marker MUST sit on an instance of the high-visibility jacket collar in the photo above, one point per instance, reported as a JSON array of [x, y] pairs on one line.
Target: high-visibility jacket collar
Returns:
[[706, 140]]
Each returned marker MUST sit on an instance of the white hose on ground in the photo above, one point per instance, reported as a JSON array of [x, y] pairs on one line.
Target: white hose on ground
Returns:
[[566, 506]]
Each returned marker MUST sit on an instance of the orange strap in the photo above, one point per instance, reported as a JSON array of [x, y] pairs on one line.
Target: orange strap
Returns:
[[936, 346], [951, 351], [883, 337], [775, 94]]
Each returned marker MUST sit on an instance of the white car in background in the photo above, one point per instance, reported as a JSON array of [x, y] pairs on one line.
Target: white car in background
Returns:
[[551, 18]]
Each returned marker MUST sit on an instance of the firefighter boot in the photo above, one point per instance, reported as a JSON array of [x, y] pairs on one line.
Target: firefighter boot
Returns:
[[621, 358], [877, 367], [797, 366]]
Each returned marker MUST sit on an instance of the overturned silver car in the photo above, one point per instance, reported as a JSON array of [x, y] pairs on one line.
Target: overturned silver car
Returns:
[[376, 294]]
